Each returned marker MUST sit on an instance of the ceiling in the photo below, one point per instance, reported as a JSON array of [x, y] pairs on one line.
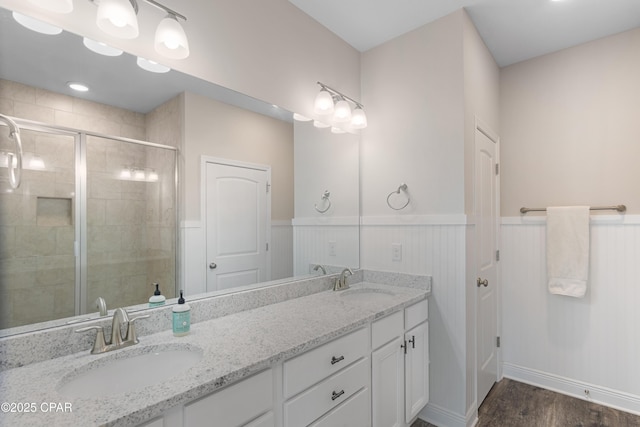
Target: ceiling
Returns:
[[513, 30]]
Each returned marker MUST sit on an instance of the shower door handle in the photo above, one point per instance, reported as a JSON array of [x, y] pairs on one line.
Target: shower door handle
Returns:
[[213, 265], [484, 282]]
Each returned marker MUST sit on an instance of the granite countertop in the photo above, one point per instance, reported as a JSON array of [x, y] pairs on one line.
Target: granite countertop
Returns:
[[232, 347]]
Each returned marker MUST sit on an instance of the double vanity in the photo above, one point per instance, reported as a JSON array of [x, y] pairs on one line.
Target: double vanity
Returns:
[[356, 357]]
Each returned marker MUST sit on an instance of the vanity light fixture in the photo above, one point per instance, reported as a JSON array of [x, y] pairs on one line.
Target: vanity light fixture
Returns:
[[152, 66], [101, 48], [57, 6], [301, 118], [118, 18], [320, 125], [334, 106], [35, 24]]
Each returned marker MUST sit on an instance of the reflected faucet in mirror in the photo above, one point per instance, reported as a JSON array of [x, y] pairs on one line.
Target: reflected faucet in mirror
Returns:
[[320, 267], [101, 305]]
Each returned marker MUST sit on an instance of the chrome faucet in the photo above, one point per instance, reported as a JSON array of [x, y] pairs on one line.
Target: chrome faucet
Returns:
[[320, 267], [130, 338], [341, 282]]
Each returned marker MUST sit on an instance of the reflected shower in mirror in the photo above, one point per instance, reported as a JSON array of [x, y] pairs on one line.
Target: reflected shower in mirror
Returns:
[[208, 124]]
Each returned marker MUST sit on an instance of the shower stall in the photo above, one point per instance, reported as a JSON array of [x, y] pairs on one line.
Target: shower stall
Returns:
[[93, 216]]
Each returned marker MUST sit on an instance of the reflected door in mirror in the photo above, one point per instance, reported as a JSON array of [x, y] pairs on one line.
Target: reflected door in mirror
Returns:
[[237, 215]]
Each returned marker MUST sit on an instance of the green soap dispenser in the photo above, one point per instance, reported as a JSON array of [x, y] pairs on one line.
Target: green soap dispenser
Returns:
[[181, 318], [157, 299]]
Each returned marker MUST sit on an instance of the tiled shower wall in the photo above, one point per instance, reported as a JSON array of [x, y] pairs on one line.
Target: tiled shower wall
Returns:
[[131, 225]]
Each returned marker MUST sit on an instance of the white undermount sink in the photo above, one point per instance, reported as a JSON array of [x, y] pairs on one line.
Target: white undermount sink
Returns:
[[366, 293], [129, 371]]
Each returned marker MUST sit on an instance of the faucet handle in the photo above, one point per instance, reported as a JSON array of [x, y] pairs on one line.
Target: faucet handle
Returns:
[[131, 330], [99, 344]]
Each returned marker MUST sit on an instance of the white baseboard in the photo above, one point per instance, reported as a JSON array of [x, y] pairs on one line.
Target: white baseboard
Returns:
[[597, 394], [442, 417]]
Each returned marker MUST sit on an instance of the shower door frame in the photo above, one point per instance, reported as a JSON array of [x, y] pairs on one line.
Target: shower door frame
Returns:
[[80, 205]]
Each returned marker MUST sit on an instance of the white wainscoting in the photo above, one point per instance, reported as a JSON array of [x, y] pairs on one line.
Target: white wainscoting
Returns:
[[433, 246], [570, 344], [312, 238]]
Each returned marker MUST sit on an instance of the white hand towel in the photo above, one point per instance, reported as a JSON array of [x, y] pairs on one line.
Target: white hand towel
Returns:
[[568, 250]]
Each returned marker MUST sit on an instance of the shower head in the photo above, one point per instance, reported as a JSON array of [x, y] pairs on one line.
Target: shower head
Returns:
[[15, 171]]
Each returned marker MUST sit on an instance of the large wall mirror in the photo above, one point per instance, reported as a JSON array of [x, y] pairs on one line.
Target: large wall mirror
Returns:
[[260, 198]]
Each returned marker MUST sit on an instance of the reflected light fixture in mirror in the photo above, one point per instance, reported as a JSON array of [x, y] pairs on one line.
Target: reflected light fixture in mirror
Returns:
[[342, 112], [301, 118], [57, 6], [35, 24], [101, 48], [151, 66]]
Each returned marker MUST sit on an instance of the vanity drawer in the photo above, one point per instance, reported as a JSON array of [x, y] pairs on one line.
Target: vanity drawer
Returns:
[[416, 314], [235, 405], [321, 398], [352, 413], [307, 369], [386, 329]]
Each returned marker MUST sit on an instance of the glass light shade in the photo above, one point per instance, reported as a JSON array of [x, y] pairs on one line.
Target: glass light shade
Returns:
[[171, 40], [342, 112], [323, 103], [35, 24], [101, 48], [117, 18], [320, 125], [151, 66], [337, 130], [57, 6], [358, 119]]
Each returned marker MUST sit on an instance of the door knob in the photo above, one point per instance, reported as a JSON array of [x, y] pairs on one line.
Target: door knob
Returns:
[[213, 265], [484, 282]]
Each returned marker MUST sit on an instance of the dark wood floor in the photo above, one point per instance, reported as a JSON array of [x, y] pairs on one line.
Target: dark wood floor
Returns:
[[514, 404]]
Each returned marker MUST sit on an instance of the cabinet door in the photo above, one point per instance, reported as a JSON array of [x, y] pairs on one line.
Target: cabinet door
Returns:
[[387, 384], [416, 370]]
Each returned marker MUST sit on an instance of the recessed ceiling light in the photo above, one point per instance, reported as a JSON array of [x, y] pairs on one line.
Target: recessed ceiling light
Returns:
[[101, 48], [78, 86], [35, 24], [152, 66]]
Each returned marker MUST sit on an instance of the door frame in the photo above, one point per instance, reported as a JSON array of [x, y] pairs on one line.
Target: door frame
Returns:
[[484, 128], [204, 159]]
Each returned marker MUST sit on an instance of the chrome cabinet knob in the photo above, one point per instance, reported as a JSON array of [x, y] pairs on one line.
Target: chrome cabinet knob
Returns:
[[213, 265], [484, 282]]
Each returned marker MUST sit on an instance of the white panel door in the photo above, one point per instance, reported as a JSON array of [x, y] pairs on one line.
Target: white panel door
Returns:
[[237, 215], [486, 209]]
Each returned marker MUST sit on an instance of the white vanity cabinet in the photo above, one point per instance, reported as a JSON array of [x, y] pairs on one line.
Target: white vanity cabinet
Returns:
[[400, 366], [329, 385]]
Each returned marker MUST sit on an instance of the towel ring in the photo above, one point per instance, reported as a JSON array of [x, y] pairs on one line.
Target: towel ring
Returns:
[[403, 187], [325, 196]]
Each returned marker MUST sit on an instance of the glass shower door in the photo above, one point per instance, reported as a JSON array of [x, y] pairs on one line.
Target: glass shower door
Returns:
[[38, 229], [131, 222]]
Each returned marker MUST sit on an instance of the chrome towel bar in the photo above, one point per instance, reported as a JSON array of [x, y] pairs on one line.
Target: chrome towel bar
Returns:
[[619, 208]]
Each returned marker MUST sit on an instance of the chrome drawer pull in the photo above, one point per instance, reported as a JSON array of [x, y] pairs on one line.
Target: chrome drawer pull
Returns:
[[335, 395], [335, 360], [413, 341]]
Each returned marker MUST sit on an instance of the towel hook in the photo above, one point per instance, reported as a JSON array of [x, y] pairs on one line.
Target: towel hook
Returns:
[[402, 187], [325, 196]]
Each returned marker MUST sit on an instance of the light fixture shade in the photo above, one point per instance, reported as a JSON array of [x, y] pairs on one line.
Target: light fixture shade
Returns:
[[101, 48], [57, 6], [151, 66], [358, 118], [35, 24], [320, 125], [337, 130], [117, 18], [171, 40], [342, 112], [300, 118], [323, 103]]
